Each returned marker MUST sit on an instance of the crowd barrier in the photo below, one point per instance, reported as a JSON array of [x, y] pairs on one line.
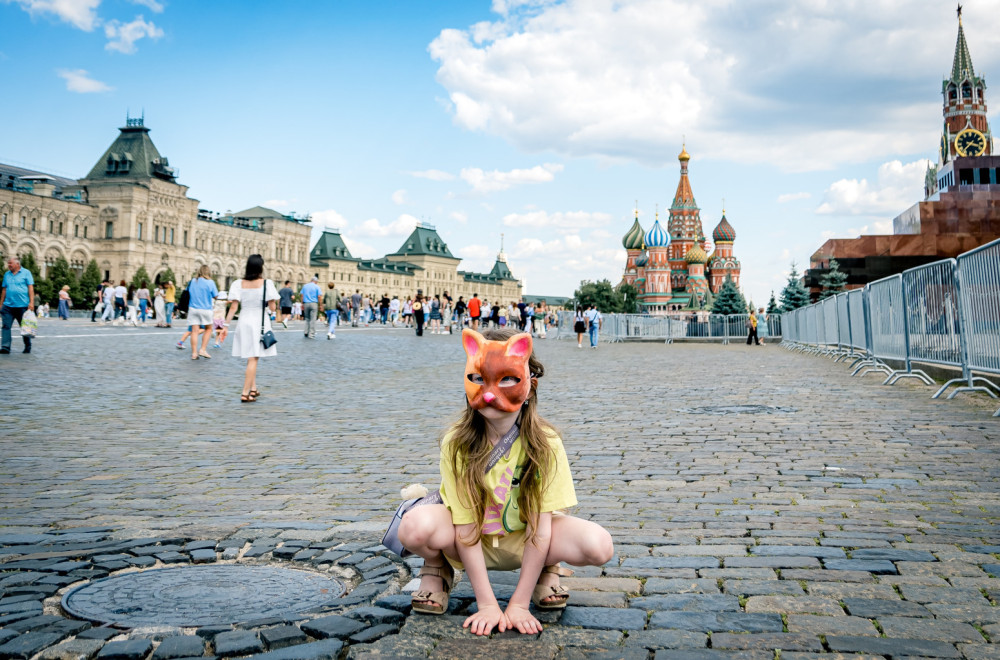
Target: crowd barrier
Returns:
[[698, 326], [943, 313]]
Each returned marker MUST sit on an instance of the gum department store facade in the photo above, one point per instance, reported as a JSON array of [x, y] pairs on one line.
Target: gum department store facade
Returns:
[[129, 211]]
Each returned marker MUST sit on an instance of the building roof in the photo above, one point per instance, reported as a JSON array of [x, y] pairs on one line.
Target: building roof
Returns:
[[633, 239], [383, 265], [501, 270], [259, 212], [132, 157], [684, 196], [329, 246], [13, 177], [961, 68], [656, 236], [551, 301], [424, 241], [724, 231], [696, 255]]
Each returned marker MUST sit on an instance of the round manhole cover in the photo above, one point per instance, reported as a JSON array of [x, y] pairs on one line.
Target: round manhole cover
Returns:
[[200, 595], [737, 410]]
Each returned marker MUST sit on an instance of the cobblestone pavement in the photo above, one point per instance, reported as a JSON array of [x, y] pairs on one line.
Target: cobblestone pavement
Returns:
[[860, 523]]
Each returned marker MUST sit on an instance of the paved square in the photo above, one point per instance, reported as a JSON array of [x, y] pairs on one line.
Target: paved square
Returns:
[[867, 503]]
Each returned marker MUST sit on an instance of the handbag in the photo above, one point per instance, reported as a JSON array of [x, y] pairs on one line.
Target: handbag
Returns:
[[267, 338], [391, 537], [29, 324]]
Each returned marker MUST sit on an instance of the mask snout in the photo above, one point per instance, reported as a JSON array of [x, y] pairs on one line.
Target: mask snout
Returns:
[[489, 397]]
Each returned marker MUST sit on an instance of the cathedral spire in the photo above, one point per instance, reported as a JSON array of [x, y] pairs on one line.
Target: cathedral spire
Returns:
[[961, 68]]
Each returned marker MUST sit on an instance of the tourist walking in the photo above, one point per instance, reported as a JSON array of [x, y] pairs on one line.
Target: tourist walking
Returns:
[[143, 295], [64, 302], [98, 301], [594, 323], [355, 307], [250, 295], [761, 326], [752, 329], [108, 298], [286, 294], [418, 313], [169, 299], [408, 313], [394, 310], [475, 310], [201, 295], [460, 308], [160, 307], [310, 306], [16, 295], [579, 326], [330, 301], [383, 308], [436, 315], [121, 295], [541, 319], [133, 305]]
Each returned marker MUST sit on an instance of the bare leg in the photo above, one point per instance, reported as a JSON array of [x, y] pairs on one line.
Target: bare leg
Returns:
[[207, 335], [250, 377], [428, 531], [195, 331], [578, 542]]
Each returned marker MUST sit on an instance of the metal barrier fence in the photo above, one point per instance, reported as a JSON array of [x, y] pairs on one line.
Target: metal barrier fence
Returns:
[[699, 326], [945, 313]]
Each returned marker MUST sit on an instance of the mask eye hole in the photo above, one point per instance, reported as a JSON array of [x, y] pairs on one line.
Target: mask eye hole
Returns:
[[509, 381], [476, 379]]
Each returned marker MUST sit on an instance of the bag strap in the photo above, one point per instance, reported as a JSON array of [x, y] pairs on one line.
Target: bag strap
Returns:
[[263, 304], [502, 447]]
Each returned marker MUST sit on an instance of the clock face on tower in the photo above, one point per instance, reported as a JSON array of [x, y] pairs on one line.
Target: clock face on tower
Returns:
[[970, 142]]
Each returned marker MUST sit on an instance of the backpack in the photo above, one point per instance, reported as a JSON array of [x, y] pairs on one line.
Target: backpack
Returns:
[[185, 299]]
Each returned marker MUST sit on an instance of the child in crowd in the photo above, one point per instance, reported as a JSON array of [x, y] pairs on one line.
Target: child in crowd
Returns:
[[510, 515], [219, 319]]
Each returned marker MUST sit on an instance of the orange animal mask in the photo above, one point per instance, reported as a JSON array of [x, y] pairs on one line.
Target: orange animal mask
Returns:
[[496, 372]]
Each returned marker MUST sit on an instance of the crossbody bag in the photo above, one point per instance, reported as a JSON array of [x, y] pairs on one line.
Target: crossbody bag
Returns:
[[267, 338], [391, 538]]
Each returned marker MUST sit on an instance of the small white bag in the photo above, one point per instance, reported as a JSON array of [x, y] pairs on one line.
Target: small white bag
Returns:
[[29, 324]]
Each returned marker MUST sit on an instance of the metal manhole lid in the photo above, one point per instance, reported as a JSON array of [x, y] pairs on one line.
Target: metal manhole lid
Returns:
[[738, 410], [200, 595]]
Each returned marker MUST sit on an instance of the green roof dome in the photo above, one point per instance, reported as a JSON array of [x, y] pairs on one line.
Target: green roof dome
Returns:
[[633, 239]]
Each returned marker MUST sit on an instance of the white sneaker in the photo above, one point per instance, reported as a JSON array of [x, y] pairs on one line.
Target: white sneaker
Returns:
[[579, 345], [285, 324], [329, 336]]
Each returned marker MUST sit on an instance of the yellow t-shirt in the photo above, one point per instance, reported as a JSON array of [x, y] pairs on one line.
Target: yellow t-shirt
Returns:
[[169, 294], [503, 482]]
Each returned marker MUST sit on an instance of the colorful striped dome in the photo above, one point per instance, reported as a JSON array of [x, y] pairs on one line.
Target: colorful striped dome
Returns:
[[642, 260], [656, 237], [696, 255], [633, 239], [724, 231]]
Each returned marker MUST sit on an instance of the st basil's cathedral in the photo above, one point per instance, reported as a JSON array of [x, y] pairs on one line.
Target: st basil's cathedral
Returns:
[[672, 269]]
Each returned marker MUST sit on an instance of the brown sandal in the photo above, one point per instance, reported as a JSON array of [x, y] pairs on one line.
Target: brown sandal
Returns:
[[247, 398], [255, 393], [438, 598], [543, 591]]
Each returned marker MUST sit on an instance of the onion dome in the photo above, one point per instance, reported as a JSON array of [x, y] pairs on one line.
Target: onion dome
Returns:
[[683, 156], [642, 260], [696, 255], [633, 239], [724, 231], [656, 237]]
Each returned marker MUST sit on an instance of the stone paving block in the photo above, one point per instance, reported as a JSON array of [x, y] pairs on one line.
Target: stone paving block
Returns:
[[794, 605], [937, 629], [841, 590], [767, 641], [717, 621], [893, 646], [679, 586], [102, 634], [374, 615], [597, 599], [924, 594], [181, 646], [327, 649], [237, 642], [700, 551], [738, 573], [445, 626], [976, 612], [575, 653], [281, 636], [943, 569], [24, 646], [372, 633], [979, 651], [797, 551], [876, 609], [203, 556], [34, 623], [604, 618], [76, 649], [877, 567], [831, 625], [483, 649], [624, 585], [561, 636], [687, 602], [771, 562], [7, 635], [762, 587], [804, 655], [131, 649], [711, 654], [892, 554]]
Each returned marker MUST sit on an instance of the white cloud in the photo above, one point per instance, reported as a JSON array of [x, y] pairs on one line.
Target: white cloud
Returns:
[[402, 226], [328, 218], [559, 219], [896, 188], [626, 79], [459, 216], [399, 197], [79, 13], [123, 36], [152, 5], [495, 180], [78, 80], [791, 197], [357, 248], [433, 175]]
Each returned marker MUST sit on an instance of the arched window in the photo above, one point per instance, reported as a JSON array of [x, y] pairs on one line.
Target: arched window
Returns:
[[952, 93], [966, 91]]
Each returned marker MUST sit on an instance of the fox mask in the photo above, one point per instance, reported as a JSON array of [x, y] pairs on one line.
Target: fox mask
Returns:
[[496, 372]]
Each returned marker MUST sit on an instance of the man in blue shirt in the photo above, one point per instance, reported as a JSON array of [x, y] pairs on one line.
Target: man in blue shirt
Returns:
[[594, 322], [201, 297], [16, 296], [310, 306]]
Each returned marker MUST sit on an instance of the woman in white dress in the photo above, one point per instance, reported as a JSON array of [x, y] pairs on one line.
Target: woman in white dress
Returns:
[[249, 295], [160, 306]]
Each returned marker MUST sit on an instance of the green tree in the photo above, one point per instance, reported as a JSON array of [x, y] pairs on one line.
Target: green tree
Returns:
[[794, 295], [630, 298], [141, 275], [168, 276], [89, 281], [43, 288], [729, 300], [608, 299], [60, 275], [772, 305], [834, 282]]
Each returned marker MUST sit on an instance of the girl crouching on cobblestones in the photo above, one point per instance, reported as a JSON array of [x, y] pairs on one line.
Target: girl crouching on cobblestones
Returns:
[[507, 516]]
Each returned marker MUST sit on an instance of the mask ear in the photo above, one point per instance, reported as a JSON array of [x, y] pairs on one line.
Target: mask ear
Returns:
[[472, 341], [519, 345]]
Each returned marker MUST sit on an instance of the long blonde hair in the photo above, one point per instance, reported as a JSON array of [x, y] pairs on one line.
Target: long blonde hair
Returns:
[[468, 447]]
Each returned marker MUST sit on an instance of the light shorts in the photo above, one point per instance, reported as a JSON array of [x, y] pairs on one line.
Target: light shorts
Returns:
[[505, 557], [202, 317], [218, 324]]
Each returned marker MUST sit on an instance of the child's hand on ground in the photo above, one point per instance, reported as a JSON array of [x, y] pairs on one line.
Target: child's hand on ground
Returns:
[[488, 617], [520, 618]]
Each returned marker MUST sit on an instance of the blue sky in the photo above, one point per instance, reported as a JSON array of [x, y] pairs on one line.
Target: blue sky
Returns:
[[541, 120]]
